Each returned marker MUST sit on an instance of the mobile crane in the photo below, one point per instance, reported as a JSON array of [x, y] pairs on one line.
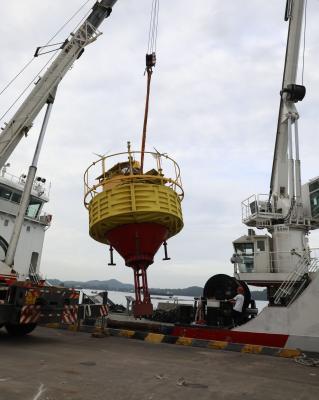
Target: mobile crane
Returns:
[[24, 303]]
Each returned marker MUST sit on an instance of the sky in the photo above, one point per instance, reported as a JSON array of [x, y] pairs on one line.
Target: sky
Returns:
[[214, 107]]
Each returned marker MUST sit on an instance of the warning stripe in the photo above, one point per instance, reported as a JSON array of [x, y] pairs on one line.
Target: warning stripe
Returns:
[[74, 295], [158, 338], [8, 279], [104, 311], [208, 344], [30, 314], [70, 314]]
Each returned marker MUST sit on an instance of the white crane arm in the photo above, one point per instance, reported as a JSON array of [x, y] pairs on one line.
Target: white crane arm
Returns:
[[45, 88], [282, 179]]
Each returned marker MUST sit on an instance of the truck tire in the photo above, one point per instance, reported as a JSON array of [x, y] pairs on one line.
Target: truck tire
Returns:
[[19, 329]]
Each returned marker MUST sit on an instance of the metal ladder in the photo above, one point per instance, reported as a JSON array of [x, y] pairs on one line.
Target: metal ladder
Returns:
[[34, 277], [296, 282]]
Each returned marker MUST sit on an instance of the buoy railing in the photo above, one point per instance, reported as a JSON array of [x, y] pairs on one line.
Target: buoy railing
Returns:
[[124, 167]]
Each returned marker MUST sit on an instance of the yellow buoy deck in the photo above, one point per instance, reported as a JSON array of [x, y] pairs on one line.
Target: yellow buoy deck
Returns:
[[123, 194]]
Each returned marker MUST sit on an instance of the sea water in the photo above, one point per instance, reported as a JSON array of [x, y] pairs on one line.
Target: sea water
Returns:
[[120, 298]]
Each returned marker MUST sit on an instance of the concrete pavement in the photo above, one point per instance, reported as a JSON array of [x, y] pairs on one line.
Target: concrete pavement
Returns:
[[53, 364]]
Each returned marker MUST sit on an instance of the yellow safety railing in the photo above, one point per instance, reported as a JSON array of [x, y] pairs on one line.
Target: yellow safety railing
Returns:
[[121, 168]]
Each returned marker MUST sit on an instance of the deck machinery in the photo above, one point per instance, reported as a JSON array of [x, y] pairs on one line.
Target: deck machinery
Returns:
[[134, 212]]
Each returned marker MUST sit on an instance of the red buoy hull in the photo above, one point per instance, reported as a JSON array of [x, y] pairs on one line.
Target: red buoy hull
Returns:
[[137, 243]]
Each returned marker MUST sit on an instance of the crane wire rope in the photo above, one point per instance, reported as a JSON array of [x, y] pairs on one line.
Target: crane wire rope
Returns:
[[27, 87], [150, 63], [32, 59], [153, 28]]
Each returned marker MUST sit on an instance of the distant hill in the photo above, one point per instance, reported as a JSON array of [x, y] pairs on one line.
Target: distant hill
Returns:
[[111, 284], [193, 291], [114, 284]]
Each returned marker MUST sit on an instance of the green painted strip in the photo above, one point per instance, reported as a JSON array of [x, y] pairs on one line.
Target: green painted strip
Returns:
[[270, 351], [140, 335], [200, 343], [234, 347], [170, 339]]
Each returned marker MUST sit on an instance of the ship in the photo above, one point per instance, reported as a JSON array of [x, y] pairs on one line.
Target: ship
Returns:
[[279, 257], [36, 221]]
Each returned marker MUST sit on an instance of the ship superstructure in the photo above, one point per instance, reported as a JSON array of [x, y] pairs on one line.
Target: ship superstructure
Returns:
[[279, 257], [28, 255], [282, 259]]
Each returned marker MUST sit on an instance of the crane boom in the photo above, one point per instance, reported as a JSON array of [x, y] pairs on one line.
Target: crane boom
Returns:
[[282, 177], [290, 211], [72, 49]]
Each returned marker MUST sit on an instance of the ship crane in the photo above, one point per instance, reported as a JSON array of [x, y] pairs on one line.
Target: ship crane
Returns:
[[282, 260], [43, 94]]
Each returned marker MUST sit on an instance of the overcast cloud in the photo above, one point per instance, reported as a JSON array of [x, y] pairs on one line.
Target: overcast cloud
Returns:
[[214, 107]]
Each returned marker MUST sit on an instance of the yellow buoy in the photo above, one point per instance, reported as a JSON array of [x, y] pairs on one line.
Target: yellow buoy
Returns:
[[134, 212]]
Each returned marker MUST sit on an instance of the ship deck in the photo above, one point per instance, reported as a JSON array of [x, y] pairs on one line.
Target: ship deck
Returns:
[[54, 364]]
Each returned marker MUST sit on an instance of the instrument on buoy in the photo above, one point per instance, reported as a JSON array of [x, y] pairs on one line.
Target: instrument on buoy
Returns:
[[134, 212]]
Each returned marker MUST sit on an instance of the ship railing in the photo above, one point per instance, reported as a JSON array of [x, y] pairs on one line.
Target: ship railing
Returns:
[[258, 207], [298, 279], [278, 262], [159, 169], [33, 275], [39, 184]]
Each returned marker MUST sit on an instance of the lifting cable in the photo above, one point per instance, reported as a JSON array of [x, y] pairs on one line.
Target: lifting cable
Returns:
[[32, 59], [150, 63]]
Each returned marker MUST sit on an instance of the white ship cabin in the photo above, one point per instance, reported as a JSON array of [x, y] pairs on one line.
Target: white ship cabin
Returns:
[[256, 263], [28, 254]]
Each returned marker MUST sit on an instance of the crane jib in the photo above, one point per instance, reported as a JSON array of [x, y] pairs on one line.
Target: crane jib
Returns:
[[23, 119]]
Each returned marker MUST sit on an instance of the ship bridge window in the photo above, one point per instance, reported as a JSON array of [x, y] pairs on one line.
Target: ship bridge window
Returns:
[[8, 194], [33, 208], [16, 197], [245, 251], [314, 202], [5, 193], [260, 245]]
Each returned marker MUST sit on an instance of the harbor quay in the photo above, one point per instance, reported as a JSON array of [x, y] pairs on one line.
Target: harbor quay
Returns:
[[52, 364]]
